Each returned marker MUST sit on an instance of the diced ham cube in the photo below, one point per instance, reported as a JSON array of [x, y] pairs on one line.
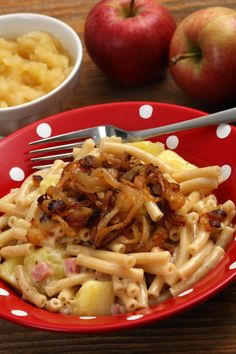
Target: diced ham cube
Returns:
[[117, 309], [41, 271], [71, 266]]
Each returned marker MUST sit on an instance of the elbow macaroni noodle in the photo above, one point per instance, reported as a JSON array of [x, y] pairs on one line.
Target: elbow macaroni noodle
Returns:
[[132, 271]]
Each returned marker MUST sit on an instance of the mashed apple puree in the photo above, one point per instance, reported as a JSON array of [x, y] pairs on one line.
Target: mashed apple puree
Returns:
[[30, 66]]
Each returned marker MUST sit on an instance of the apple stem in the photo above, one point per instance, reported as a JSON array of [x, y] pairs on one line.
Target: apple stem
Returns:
[[131, 8], [184, 56]]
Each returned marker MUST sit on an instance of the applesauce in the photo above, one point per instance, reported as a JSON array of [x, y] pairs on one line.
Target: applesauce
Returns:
[[30, 67]]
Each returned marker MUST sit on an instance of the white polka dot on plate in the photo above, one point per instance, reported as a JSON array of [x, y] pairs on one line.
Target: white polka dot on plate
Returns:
[[134, 317], [223, 130], [172, 142], [87, 317], [226, 171], [17, 174], [19, 313], [184, 293], [44, 130], [4, 292], [145, 111], [232, 266]]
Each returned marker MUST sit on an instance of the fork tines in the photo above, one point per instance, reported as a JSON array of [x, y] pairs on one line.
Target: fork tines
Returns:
[[46, 154], [96, 133], [55, 148]]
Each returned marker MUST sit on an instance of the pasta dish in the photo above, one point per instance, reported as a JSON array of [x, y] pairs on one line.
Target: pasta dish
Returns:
[[122, 227]]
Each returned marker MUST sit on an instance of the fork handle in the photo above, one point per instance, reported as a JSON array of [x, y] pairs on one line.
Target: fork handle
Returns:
[[226, 116]]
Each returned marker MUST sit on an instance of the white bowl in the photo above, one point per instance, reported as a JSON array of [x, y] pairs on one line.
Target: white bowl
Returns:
[[14, 25]]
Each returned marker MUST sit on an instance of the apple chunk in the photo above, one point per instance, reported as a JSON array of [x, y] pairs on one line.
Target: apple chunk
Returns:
[[94, 298]]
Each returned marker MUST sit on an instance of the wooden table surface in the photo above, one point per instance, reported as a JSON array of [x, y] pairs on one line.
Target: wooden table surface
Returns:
[[211, 327]]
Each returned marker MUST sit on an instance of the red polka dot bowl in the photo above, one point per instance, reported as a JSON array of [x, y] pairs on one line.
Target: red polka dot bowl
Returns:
[[201, 146]]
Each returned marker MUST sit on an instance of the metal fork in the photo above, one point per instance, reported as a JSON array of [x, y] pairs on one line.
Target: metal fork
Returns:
[[97, 133]]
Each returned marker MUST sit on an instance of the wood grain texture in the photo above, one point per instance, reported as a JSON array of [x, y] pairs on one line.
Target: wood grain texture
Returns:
[[208, 329]]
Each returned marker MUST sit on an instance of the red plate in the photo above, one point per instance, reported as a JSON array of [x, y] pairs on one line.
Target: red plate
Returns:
[[202, 146]]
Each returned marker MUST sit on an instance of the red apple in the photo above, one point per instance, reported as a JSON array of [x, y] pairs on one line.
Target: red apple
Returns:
[[129, 40], [202, 57]]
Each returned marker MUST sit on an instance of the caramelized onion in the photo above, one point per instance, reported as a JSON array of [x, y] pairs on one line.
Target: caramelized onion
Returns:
[[107, 196]]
